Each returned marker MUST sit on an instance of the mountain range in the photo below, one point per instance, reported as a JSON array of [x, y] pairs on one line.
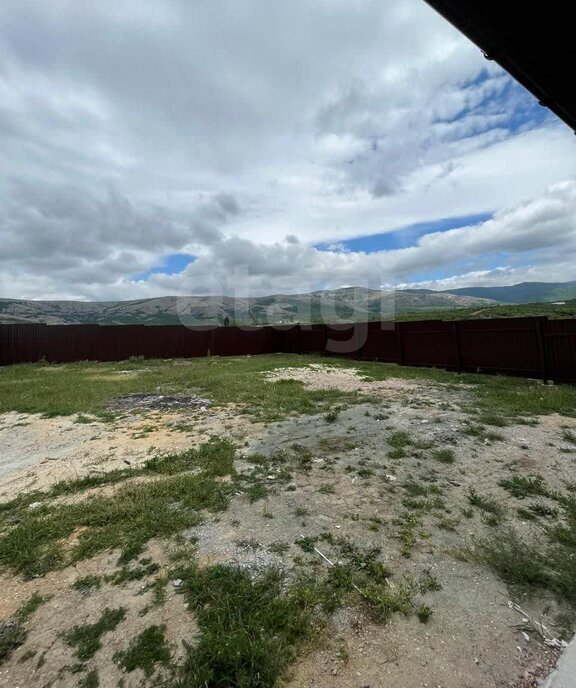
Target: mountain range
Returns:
[[339, 305]]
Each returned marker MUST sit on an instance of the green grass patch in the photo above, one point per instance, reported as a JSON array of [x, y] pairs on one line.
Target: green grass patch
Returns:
[[33, 542], [145, 651], [484, 502], [91, 680], [444, 455], [87, 639], [521, 486], [251, 630], [88, 387]]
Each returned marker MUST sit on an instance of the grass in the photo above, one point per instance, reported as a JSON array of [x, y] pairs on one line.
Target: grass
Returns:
[[484, 502], [87, 584], [408, 523], [30, 606], [145, 651], [444, 455], [521, 486], [546, 561], [88, 387], [91, 680], [86, 639], [127, 520], [252, 628], [13, 632]]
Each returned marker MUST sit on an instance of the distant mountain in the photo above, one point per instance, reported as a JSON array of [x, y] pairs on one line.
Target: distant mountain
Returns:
[[339, 305], [526, 292]]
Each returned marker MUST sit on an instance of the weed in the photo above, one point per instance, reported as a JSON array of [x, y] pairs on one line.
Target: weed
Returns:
[[526, 514], [256, 492], [399, 440], [483, 435], [327, 488], [521, 486], [492, 520], [428, 582], [30, 606], [415, 489], [301, 511], [87, 638], [423, 612], [365, 472], [543, 510], [87, 584], [342, 653], [91, 680], [484, 502], [126, 573], [278, 547], [427, 504], [407, 526], [145, 651], [331, 416], [444, 455], [495, 419]]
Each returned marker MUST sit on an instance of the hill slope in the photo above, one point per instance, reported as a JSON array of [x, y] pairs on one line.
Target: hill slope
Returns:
[[323, 306], [526, 292]]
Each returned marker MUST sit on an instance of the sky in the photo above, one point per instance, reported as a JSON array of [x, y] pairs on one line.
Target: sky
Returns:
[[180, 147]]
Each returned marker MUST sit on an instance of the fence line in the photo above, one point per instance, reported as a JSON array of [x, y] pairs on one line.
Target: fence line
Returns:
[[529, 347]]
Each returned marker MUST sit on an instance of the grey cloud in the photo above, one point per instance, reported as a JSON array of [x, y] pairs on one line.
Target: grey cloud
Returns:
[[134, 129]]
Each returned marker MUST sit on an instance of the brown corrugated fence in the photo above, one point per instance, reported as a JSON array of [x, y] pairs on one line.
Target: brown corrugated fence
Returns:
[[530, 347]]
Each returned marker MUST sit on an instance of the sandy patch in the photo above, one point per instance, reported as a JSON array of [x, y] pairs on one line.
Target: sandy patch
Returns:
[[38, 452], [318, 376]]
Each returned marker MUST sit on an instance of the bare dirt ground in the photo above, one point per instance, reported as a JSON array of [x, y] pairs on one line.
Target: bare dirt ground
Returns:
[[38, 452], [42, 661], [352, 486]]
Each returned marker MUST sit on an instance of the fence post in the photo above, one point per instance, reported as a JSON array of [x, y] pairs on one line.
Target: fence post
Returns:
[[541, 348], [456, 334]]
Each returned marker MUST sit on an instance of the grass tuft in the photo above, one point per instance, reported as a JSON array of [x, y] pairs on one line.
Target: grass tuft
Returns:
[[86, 639], [145, 651]]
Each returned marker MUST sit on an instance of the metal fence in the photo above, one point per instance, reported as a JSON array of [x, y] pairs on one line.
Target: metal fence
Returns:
[[529, 347]]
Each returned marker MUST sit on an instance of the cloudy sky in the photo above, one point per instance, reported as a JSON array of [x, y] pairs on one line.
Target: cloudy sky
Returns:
[[153, 147]]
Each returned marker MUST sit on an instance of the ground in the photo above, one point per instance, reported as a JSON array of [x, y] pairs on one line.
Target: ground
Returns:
[[283, 520]]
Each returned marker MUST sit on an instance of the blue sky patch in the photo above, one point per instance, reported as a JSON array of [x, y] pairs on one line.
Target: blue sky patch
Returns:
[[404, 237], [173, 264]]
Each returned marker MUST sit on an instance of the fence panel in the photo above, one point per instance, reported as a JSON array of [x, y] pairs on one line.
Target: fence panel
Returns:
[[560, 348], [427, 343], [509, 345], [534, 347]]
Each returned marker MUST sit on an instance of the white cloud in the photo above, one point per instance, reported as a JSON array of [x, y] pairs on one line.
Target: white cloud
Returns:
[[131, 130]]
